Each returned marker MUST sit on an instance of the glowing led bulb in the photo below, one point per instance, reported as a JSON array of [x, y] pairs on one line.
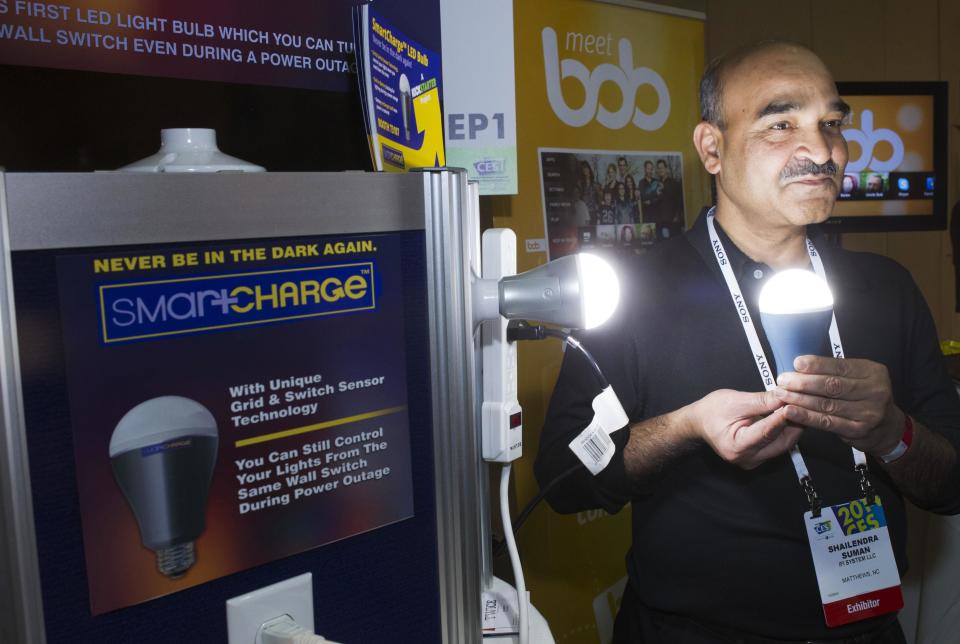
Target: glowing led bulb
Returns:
[[600, 290], [796, 307], [795, 291]]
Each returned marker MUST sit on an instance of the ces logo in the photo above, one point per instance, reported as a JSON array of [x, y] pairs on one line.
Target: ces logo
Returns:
[[867, 137], [624, 76]]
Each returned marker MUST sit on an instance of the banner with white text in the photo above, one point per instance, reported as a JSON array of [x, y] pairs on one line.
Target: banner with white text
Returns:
[[308, 44]]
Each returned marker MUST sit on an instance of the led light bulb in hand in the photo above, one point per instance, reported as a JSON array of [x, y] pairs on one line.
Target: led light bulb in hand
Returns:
[[163, 452], [796, 308]]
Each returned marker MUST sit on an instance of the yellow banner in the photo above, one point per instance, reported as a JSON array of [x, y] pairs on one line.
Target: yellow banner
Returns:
[[596, 83]]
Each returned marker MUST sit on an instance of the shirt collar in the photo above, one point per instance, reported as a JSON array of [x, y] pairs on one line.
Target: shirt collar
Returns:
[[699, 237]]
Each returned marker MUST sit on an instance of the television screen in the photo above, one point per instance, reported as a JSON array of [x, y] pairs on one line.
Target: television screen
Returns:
[[896, 174]]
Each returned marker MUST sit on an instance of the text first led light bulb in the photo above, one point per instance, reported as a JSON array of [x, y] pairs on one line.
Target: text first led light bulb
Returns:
[[163, 453], [796, 307]]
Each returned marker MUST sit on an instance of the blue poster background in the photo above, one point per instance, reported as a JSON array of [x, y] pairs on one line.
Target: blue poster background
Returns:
[[310, 403]]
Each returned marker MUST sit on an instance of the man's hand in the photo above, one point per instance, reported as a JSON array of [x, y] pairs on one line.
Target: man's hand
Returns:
[[745, 429], [850, 398]]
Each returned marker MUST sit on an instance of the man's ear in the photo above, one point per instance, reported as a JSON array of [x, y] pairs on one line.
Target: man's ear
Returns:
[[708, 139]]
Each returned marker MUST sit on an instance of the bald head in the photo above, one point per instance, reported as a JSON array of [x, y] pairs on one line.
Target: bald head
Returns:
[[741, 63], [772, 136]]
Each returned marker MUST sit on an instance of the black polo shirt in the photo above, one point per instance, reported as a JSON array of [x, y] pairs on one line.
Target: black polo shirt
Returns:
[[711, 541]]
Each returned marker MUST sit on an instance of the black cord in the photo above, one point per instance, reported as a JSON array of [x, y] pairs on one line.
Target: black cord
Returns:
[[523, 330]]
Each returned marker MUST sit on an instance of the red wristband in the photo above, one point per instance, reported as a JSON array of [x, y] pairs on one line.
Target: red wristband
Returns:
[[904, 443], [907, 437]]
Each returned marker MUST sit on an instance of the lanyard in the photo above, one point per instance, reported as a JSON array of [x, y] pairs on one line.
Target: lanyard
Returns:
[[763, 365]]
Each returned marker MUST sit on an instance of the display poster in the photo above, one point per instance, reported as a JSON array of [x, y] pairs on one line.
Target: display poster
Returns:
[[595, 82], [232, 404], [400, 94], [636, 200], [478, 97], [307, 44], [890, 170]]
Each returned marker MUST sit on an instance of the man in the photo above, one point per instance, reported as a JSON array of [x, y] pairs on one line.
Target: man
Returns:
[[650, 189], [720, 550], [670, 211], [875, 183], [623, 169]]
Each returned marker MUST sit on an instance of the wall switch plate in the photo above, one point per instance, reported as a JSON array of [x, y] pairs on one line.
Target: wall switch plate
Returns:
[[246, 613]]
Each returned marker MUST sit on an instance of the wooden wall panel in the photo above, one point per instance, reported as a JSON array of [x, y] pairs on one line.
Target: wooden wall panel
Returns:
[[920, 253], [949, 21], [912, 52], [733, 23], [848, 36], [911, 43]]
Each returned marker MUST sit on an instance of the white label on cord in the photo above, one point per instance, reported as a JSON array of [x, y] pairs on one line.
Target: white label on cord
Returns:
[[593, 445]]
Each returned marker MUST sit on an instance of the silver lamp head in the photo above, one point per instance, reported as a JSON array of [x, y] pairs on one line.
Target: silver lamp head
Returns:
[[577, 291]]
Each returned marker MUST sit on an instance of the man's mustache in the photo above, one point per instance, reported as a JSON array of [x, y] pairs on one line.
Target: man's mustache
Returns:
[[806, 167]]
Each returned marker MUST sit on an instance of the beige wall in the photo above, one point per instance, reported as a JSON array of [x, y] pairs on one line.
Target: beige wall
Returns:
[[870, 40]]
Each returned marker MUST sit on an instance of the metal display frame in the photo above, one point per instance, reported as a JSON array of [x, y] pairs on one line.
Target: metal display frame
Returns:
[[49, 211]]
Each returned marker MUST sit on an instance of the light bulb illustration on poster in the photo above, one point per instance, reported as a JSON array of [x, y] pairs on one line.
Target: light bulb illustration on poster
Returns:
[[232, 404]]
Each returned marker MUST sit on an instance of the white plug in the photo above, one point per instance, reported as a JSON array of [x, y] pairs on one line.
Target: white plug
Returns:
[[284, 630], [291, 598]]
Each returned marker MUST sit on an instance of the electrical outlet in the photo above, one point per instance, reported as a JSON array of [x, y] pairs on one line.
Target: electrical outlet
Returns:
[[246, 613]]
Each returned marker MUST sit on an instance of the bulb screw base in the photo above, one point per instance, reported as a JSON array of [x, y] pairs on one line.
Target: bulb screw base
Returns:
[[174, 561]]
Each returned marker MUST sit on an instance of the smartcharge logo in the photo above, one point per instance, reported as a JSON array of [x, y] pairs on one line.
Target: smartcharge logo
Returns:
[[150, 450], [149, 309]]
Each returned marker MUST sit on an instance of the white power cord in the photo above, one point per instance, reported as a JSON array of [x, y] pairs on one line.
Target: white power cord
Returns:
[[284, 630], [514, 554]]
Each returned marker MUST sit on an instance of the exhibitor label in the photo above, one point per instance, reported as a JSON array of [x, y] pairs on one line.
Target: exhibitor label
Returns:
[[856, 570]]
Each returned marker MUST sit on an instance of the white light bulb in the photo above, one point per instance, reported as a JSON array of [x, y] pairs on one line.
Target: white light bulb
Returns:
[[795, 291], [406, 103], [600, 292], [163, 453]]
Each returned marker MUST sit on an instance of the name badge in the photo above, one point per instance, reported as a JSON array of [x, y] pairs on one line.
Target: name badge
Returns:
[[856, 570]]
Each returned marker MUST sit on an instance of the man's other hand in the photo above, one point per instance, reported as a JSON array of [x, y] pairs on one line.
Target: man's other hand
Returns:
[[743, 428], [851, 398]]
